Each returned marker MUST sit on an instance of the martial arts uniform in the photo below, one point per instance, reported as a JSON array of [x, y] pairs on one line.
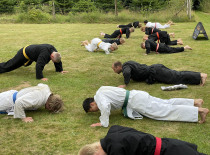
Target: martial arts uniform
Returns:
[[30, 98], [119, 33], [162, 37], [141, 103], [158, 73], [161, 47], [150, 30], [134, 24], [111, 41], [157, 25], [128, 141], [38, 53], [97, 43]]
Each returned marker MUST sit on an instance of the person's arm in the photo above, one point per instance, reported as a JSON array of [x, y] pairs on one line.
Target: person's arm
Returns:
[[42, 60], [105, 108], [26, 101], [126, 74], [128, 33], [58, 66], [147, 46]]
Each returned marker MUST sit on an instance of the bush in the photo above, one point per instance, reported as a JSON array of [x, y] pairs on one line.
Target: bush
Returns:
[[34, 16], [84, 6]]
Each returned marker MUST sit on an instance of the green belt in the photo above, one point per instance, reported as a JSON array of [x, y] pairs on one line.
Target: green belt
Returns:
[[125, 103]]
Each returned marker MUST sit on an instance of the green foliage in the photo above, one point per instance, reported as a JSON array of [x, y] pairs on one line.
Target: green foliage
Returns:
[[34, 16], [205, 6], [84, 6], [7, 6]]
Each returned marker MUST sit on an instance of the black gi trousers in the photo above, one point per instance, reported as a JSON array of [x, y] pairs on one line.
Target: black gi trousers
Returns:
[[17, 61], [163, 48], [162, 74], [168, 41], [115, 34]]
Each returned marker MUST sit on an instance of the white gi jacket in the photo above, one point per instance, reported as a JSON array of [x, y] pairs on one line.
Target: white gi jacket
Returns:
[[30, 98], [94, 46], [110, 98], [157, 25]]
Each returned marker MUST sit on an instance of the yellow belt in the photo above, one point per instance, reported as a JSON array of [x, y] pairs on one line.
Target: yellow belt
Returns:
[[24, 53], [99, 44]]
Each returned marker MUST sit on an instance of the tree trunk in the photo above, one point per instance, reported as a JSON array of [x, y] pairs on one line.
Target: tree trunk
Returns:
[[53, 8], [116, 12]]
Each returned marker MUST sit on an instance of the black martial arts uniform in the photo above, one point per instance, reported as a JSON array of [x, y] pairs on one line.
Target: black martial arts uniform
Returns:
[[158, 73], [162, 37], [128, 141], [150, 45], [149, 30], [111, 41], [38, 53], [134, 24], [119, 33]]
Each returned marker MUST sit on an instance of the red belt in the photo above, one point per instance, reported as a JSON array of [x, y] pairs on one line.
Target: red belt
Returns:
[[158, 146], [158, 36], [121, 31], [152, 31], [157, 48], [155, 25]]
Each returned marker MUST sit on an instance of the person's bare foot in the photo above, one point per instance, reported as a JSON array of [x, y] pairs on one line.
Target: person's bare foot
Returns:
[[117, 26], [203, 78], [179, 41], [82, 43], [198, 103], [172, 34], [102, 34], [203, 113], [187, 47]]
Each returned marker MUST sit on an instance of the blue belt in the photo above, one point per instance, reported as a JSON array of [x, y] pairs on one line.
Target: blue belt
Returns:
[[125, 103], [14, 99]]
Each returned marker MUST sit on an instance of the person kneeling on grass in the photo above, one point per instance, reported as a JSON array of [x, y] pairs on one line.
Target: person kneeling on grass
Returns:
[[136, 103], [97, 43], [134, 24], [128, 141], [15, 102], [150, 45]]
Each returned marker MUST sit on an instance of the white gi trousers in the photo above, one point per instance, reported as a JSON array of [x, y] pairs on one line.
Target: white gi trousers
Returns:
[[174, 109], [6, 101], [157, 25], [94, 45]]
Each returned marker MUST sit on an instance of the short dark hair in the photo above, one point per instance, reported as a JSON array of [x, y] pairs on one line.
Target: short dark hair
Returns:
[[117, 63], [86, 103], [146, 21]]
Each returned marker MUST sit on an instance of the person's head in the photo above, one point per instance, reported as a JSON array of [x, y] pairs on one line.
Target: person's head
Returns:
[[55, 57], [145, 37], [117, 67], [113, 47], [143, 45], [89, 105], [54, 103], [140, 25], [122, 40], [92, 149], [145, 22], [143, 29], [131, 29]]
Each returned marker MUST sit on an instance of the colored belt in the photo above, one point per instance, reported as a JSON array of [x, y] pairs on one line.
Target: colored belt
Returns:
[[157, 48], [14, 99], [155, 25], [99, 44], [24, 53], [158, 37], [121, 31], [125, 103], [158, 146], [152, 30]]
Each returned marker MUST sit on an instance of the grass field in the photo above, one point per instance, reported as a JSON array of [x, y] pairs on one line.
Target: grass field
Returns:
[[66, 132]]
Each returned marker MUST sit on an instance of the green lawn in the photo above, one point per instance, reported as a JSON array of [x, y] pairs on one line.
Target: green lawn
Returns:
[[66, 132]]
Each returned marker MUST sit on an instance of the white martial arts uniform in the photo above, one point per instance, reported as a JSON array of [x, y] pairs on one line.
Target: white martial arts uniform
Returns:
[[157, 25], [110, 98], [30, 98], [94, 45]]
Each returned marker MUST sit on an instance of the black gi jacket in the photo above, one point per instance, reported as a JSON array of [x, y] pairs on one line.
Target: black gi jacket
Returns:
[[127, 141], [41, 55], [149, 30], [135, 71], [134, 24], [111, 41], [117, 33]]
